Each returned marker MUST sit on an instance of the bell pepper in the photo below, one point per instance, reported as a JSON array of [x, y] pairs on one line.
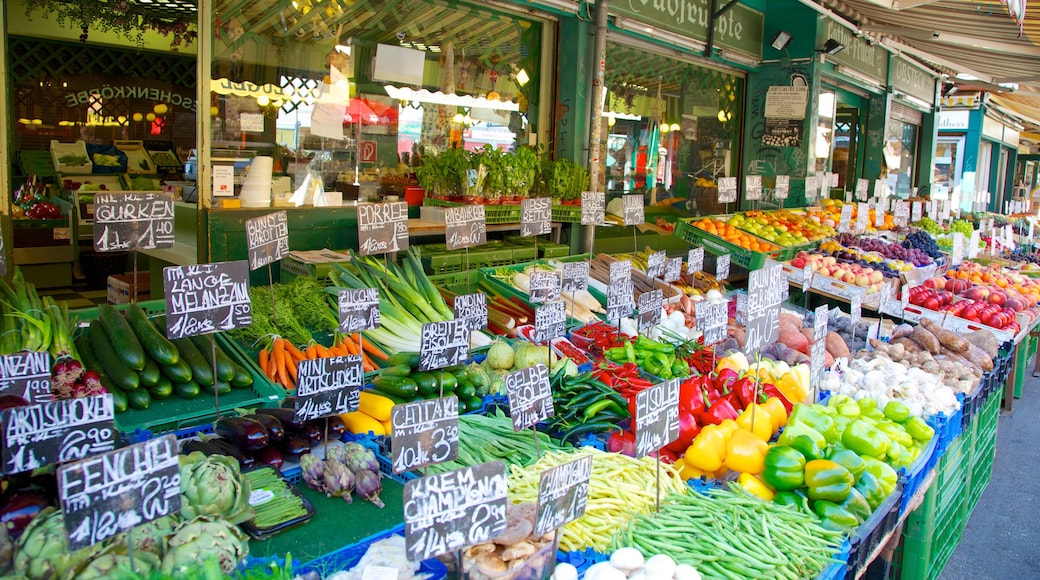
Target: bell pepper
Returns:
[[791, 385], [827, 480], [691, 399], [756, 420], [688, 431], [680, 368], [647, 344], [871, 489], [777, 412], [735, 362], [745, 452], [834, 517], [850, 410], [754, 486], [898, 456], [868, 407], [918, 429], [883, 472], [865, 439], [849, 460], [708, 450], [818, 417], [726, 379], [772, 392], [795, 429], [805, 445], [857, 505], [718, 412], [783, 468], [746, 391], [897, 411], [728, 427], [895, 433], [793, 500]]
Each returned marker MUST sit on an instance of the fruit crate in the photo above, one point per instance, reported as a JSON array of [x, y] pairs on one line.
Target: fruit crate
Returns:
[[948, 429], [973, 403], [685, 230], [349, 556], [551, 250], [869, 536], [914, 476], [443, 262], [839, 567], [503, 213], [566, 213]]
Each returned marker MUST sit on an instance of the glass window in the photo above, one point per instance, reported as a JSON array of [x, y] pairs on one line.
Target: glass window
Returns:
[[901, 156]]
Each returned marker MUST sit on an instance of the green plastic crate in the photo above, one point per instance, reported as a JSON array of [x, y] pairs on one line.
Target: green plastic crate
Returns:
[[458, 282], [442, 262], [983, 431], [746, 259], [290, 269], [566, 213], [550, 250], [492, 258]]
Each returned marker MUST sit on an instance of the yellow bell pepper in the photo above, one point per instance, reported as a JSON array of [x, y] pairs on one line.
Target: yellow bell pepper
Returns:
[[777, 412], [754, 486], [791, 386], [736, 362], [708, 450], [688, 472], [727, 427], [745, 452], [757, 420]]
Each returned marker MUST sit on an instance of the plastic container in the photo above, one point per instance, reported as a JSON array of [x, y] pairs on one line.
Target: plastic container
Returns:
[[913, 478], [261, 533], [347, 557], [566, 213], [838, 569], [746, 259], [870, 535]]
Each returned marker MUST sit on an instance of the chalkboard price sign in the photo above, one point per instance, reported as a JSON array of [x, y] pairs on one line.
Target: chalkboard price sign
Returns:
[[563, 494], [695, 261], [593, 208], [783, 187], [206, 298], [620, 300], [727, 189], [56, 432], [632, 209], [472, 310], [763, 328], [752, 187], [672, 269], [765, 286], [382, 227], [465, 226], [26, 375], [711, 320], [450, 511], [575, 277], [328, 386], [424, 433], [655, 264], [267, 239], [358, 310], [443, 344], [530, 399], [133, 221], [722, 267], [535, 216], [657, 417], [109, 494], [550, 321], [545, 287], [650, 309]]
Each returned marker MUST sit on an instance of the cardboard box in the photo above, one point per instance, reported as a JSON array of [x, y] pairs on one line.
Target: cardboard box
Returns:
[[120, 290]]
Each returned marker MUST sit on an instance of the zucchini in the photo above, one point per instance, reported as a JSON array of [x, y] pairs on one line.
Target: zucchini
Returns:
[[223, 388], [122, 376], [449, 381], [187, 390], [404, 358], [152, 340], [242, 378], [225, 368], [466, 392], [201, 372], [178, 372], [162, 390], [403, 387], [397, 370], [474, 404], [139, 399], [150, 373], [426, 382], [127, 347], [119, 402]]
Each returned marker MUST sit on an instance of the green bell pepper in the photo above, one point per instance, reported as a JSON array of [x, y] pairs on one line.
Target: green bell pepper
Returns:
[[827, 480], [680, 368], [784, 468], [849, 460], [850, 410], [818, 417], [834, 517], [866, 405], [793, 430], [807, 446], [899, 456], [897, 411], [793, 500], [841, 422], [896, 433], [857, 505], [918, 429], [865, 439], [870, 487], [883, 472], [644, 343]]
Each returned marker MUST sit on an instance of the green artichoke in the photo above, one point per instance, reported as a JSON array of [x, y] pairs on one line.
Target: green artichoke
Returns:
[[312, 469], [213, 486], [114, 562], [338, 481], [42, 552], [200, 539], [150, 537], [6, 550]]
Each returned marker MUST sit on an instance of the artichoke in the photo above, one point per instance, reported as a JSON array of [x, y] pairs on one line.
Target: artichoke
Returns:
[[339, 481], [213, 486], [358, 458], [150, 537], [42, 552], [368, 485], [200, 539], [312, 470], [114, 562], [6, 550]]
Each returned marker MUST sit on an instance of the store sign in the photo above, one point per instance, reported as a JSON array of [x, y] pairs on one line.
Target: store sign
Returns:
[[913, 80], [858, 54], [739, 29], [185, 100]]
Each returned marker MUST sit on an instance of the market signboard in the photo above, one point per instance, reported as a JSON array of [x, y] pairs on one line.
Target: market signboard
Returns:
[[784, 115], [913, 80], [739, 29], [858, 54]]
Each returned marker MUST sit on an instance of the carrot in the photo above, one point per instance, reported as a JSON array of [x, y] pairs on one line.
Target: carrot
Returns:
[[293, 351], [279, 359], [351, 346], [322, 351], [375, 352], [291, 367], [312, 352], [368, 360], [263, 360], [341, 349]]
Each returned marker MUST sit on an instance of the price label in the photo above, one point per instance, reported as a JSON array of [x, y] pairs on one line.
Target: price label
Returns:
[[695, 261], [650, 309], [820, 317], [425, 433], [550, 321], [741, 314], [545, 287], [902, 213], [783, 187], [904, 296], [465, 226], [711, 320], [620, 293], [944, 214], [807, 275], [672, 269], [563, 494], [657, 417], [879, 215], [915, 211], [834, 179], [39, 435], [530, 400], [764, 286], [535, 216], [958, 248], [472, 309], [753, 187], [575, 277], [108, 494], [811, 188], [862, 189], [449, 511], [862, 216], [880, 189], [382, 227], [593, 208], [443, 344], [817, 361], [722, 267], [655, 264], [133, 221], [633, 212], [358, 310], [727, 190], [26, 375], [267, 239], [206, 298], [846, 218], [763, 328], [886, 295], [856, 310], [328, 386]]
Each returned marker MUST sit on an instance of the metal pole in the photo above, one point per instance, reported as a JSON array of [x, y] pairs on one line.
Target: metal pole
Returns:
[[596, 119]]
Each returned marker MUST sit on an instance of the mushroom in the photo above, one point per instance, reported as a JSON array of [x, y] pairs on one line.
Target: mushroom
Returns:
[[518, 551], [491, 564]]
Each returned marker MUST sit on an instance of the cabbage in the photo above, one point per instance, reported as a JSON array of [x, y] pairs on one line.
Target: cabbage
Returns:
[[500, 356]]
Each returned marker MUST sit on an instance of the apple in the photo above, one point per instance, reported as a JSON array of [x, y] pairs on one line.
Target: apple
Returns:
[[798, 262], [997, 297], [862, 280], [849, 278]]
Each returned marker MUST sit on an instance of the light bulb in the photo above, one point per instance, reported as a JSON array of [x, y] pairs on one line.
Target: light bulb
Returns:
[[138, 117], [675, 127], [458, 118], [664, 128], [263, 101], [611, 121], [160, 109]]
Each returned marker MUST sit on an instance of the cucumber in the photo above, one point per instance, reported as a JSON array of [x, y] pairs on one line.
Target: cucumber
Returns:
[[201, 372], [223, 388], [121, 375], [178, 372], [242, 378], [90, 360], [139, 399], [426, 382], [397, 370], [404, 358], [119, 402], [150, 373], [152, 340], [225, 368], [187, 390], [474, 404], [162, 390], [403, 387], [127, 347]]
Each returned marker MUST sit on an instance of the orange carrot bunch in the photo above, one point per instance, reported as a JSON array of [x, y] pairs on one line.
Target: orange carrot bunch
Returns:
[[279, 362]]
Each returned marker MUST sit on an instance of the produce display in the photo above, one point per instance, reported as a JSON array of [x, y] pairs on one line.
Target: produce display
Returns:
[[731, 233], [783, 228]]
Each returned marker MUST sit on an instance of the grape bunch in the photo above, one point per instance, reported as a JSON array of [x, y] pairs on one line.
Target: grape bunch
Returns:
[[928, 224], [924, 242], [890, 251]]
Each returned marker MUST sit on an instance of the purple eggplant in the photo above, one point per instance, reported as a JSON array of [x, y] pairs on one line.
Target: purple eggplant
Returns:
[[269, 456], [248, 434], [274, 427], [293, 446], [286, 416]]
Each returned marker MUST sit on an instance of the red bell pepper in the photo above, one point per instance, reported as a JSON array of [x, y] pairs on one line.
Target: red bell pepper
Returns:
[[771, 391], [745, 391], [691, 400], [688, 430], [623, 442], [718, 412]]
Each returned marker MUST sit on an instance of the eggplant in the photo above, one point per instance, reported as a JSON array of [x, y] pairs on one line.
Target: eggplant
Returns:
[[216, 446], [19, 510], [331, 427], [11, 401], [286, 416], [311, 432], [289, 402], [274, 427], [249, 434], [293, 446], [269, 456], [336, 427], [206, 447]]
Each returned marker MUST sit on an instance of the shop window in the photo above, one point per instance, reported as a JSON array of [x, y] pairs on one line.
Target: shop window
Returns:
[[900, 156]]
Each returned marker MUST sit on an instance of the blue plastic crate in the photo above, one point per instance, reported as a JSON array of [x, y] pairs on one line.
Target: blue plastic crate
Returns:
[[837, 570], [347, 557], [947, 428], [913, 477], [294, 475], [582, 560], [973, 403], [871, 532]]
